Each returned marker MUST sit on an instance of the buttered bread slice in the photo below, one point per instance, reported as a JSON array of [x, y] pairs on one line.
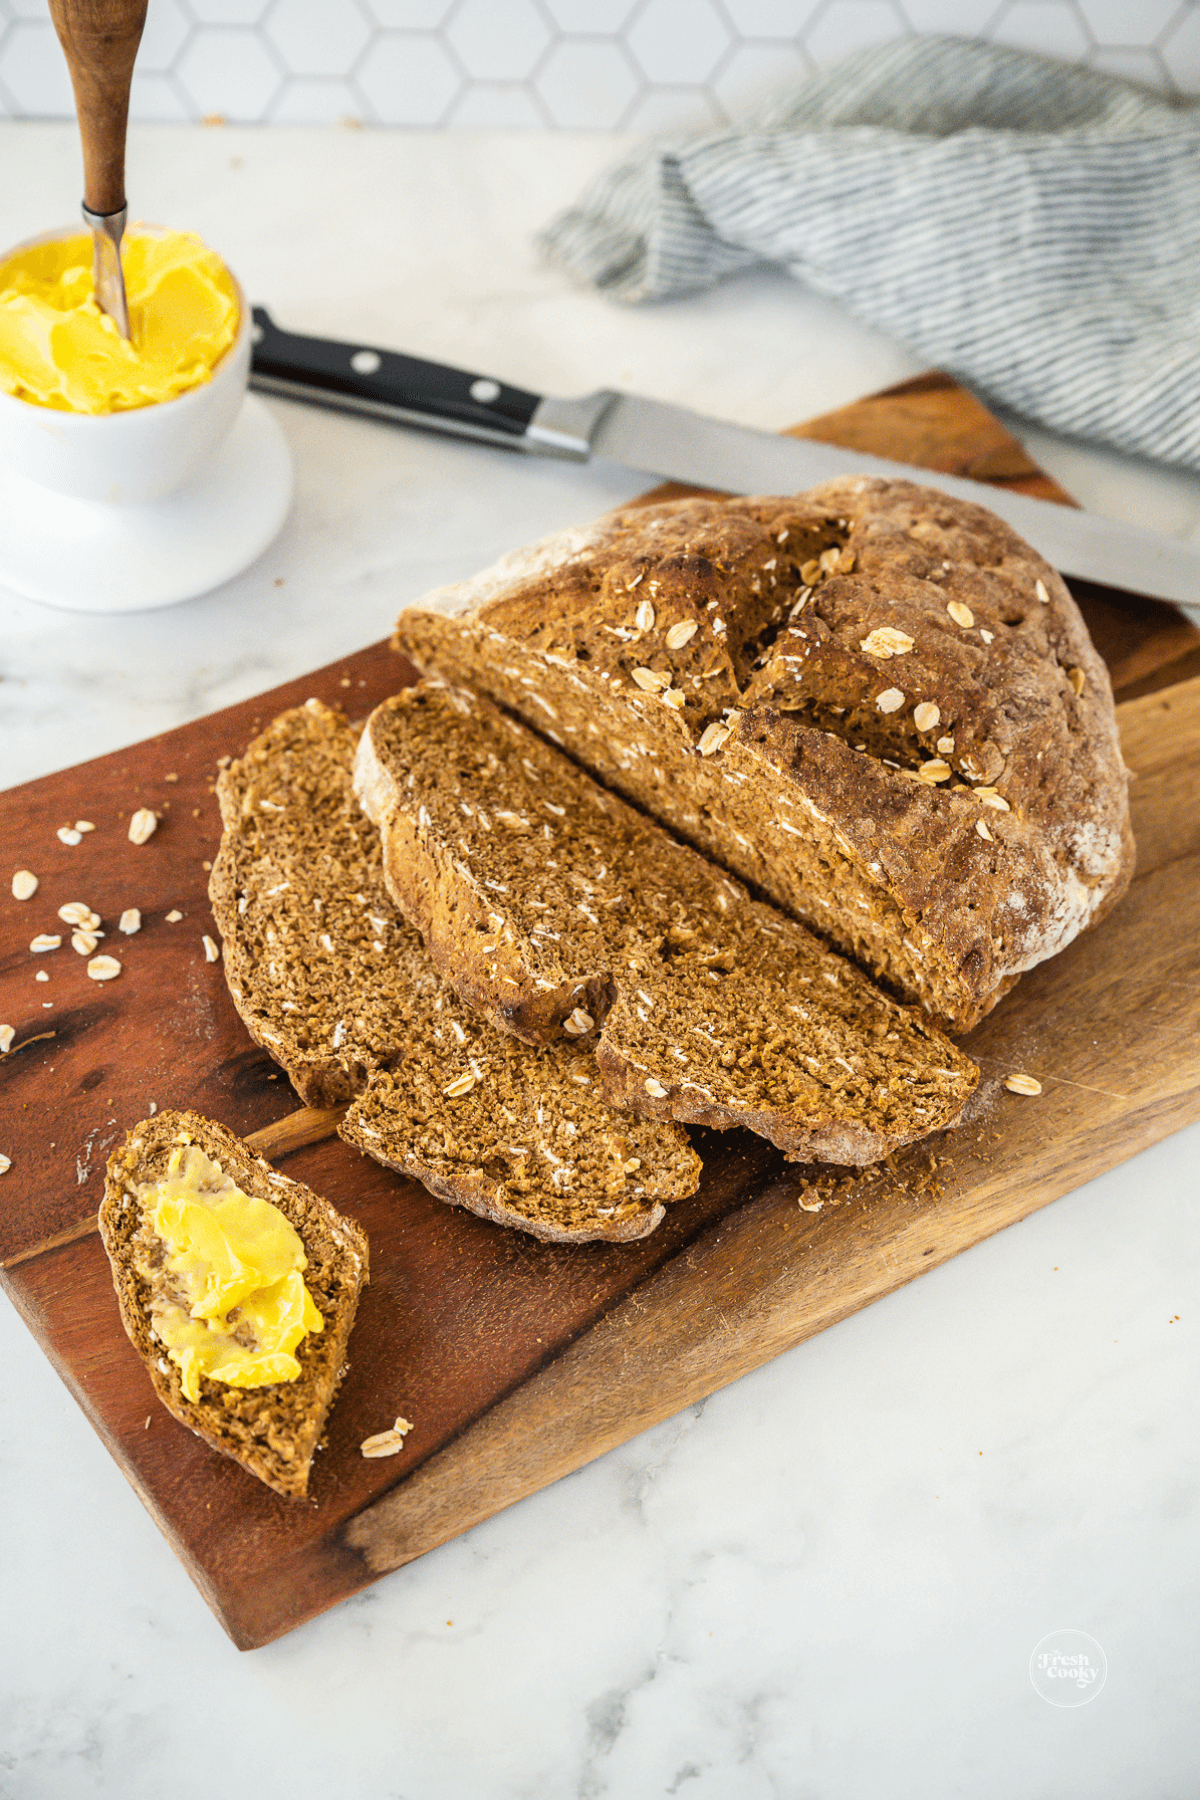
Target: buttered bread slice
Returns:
[[332, 980], [556, 910], [237, 1287]]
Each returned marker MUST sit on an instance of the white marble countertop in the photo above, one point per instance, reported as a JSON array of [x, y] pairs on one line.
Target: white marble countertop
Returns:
[[827, 1580]]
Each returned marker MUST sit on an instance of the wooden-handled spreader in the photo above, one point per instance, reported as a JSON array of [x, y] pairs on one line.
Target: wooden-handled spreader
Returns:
[[100, 39]]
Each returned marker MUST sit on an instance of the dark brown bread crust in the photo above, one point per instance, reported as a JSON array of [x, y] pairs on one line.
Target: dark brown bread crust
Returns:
[[553, 907], [272, 1431], [330, 978], [945, 802]]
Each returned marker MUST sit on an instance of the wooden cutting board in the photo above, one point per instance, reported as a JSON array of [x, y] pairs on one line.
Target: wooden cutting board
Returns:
[[516, 1361]]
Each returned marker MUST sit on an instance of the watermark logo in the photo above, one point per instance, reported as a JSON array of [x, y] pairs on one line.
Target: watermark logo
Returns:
[[1068, 1668]]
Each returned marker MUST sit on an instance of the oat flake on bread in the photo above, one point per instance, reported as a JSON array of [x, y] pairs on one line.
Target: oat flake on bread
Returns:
[[788, 757]]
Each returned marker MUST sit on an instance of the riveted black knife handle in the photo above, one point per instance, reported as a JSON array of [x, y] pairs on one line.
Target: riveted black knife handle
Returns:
[[356, 377]]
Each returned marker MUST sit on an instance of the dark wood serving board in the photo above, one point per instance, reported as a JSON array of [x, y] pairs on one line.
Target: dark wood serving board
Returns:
[[516, 1361]]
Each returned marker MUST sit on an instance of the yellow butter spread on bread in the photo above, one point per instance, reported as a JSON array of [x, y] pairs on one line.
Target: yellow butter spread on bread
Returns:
[[57, 349], [228, 1294]]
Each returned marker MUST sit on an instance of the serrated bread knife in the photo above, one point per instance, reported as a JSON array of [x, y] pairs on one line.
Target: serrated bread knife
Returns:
[[674, 443]]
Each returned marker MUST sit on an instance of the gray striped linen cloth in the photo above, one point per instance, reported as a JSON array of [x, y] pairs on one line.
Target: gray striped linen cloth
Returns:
[[1031, 226]]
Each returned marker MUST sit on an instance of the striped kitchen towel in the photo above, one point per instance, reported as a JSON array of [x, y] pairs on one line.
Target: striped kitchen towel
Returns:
[[1031, 226]]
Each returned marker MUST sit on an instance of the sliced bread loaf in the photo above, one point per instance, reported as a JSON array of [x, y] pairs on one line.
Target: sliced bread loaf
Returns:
[[553, 907], [330, 978], [876, 704], [271, 1430]]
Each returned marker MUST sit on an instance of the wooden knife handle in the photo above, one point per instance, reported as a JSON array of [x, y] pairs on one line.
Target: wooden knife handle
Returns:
[[100, 39]]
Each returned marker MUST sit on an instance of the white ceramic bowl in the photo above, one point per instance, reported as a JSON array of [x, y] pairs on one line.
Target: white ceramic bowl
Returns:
[[125, 458]]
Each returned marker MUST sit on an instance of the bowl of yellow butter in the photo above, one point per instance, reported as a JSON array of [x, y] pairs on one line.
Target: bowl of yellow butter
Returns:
[[88, 413]]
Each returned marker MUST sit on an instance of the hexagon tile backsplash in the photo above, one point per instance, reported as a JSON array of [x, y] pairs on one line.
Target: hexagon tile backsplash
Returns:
[[632, 65]]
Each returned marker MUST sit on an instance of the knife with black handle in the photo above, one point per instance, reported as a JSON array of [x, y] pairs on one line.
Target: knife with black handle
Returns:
[[674, 443]]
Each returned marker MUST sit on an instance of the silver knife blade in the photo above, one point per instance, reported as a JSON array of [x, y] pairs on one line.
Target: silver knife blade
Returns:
[[674, 442]]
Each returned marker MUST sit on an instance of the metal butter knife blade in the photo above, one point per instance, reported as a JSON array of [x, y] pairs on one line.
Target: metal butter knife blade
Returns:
[[677, 444]]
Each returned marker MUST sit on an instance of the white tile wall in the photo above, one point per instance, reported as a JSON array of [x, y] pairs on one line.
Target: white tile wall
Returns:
[[644, 65]]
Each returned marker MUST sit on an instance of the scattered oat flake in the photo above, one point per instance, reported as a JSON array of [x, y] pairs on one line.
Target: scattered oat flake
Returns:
[[712, 738], [675, 698], [1022, 1084], [643, 618], [24, 884], [462, 1084], [104, 968], [45, 940], [1039, 588], [386, 1443], [142, 826], [174, 916], [84, 825], [66, 835], [211, 953], [5, 1163], [890, 701], [934, 771], [578, 1022], [927, 715], [962, 615], [7, 1034], [650, 681], [85, 941], [887, 641], [41, 975], [945, 746], [656, 1089], [981, 826], [130, 921], [681, 633], [78, 912]]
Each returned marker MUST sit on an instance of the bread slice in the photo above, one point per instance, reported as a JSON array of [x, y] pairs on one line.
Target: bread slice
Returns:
[[875, 704], [553, 907], [330, 978], [272, 1431]]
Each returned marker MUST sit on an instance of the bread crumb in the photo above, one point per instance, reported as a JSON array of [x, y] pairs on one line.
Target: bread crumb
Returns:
[[41, 975], [130, 921], [84, 825], [174, 916], [24, 884], [7, 1034], [66, 835]]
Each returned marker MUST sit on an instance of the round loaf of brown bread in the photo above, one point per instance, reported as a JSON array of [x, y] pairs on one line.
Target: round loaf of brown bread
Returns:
[[875, 703]]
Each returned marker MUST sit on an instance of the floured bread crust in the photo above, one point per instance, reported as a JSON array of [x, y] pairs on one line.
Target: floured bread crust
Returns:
[[873, 702]]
